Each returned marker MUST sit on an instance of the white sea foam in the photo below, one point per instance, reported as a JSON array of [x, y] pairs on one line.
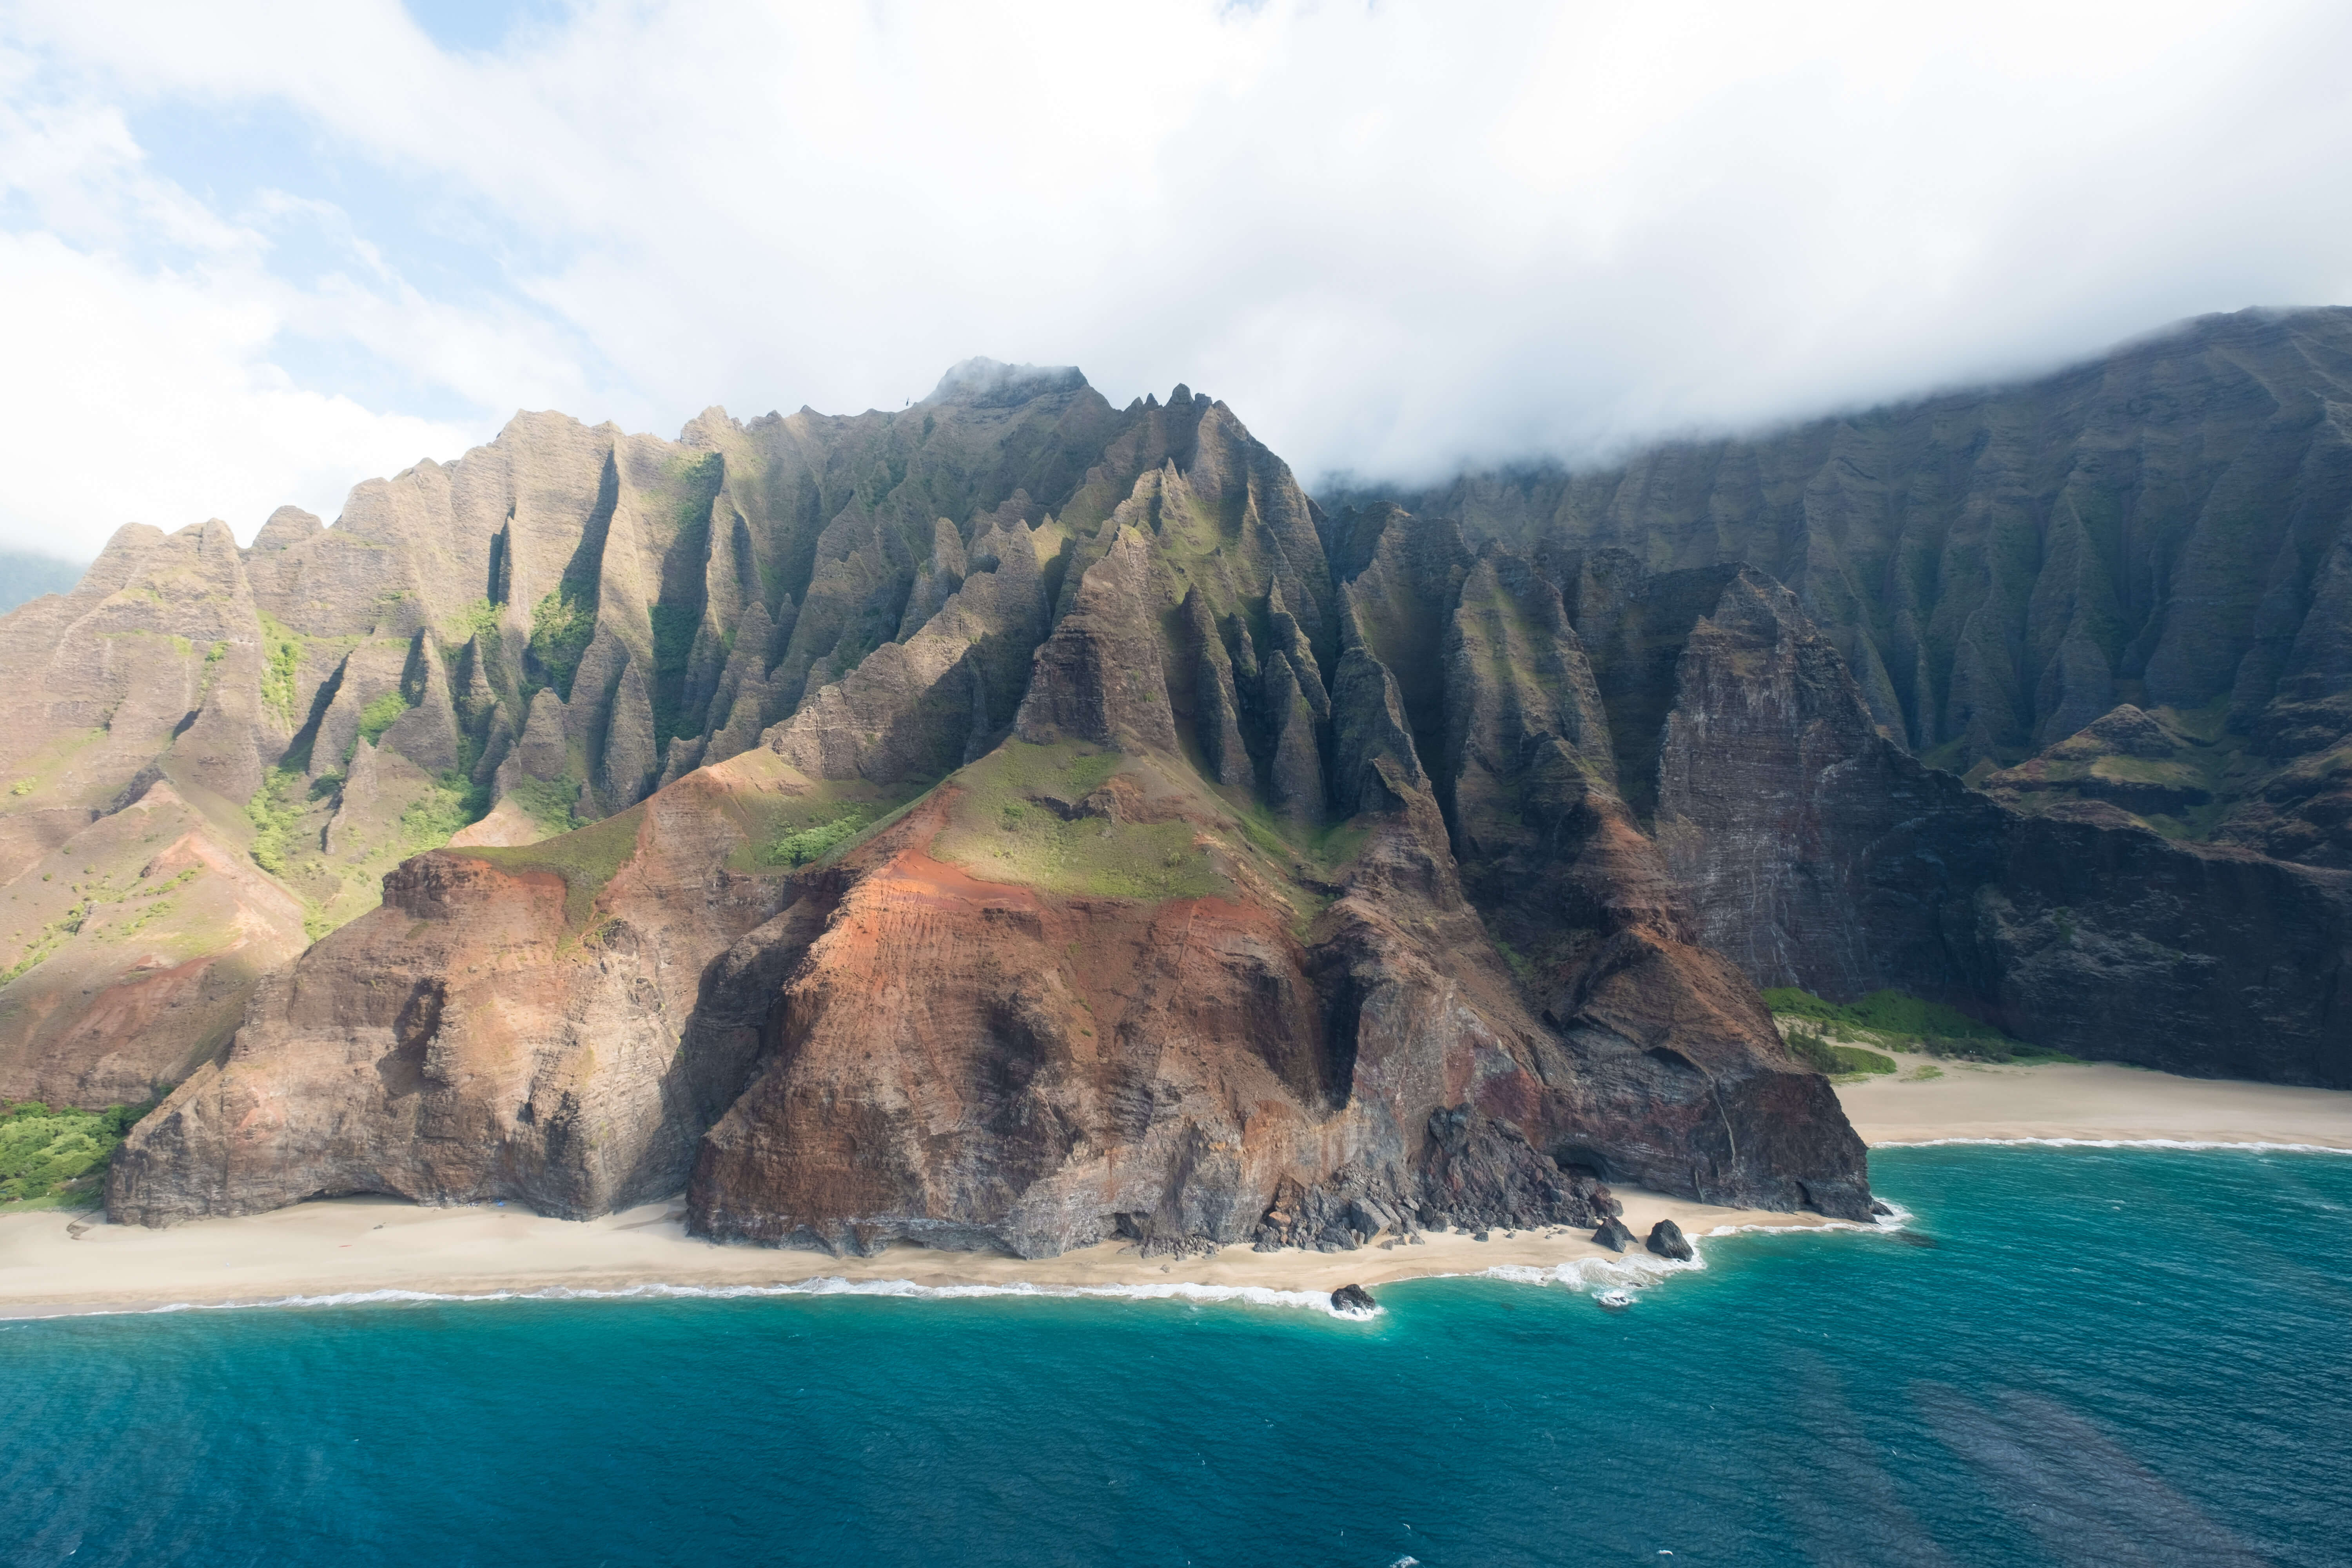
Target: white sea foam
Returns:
[[1591, 1275], [2116, 1143], [1893, 1220]]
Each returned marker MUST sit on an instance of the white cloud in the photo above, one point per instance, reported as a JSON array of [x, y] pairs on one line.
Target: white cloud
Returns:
[[1390, 236], [154, 401]]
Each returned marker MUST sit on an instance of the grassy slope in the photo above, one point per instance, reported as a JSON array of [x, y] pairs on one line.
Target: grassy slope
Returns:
[[1895, 1020], [1002, 828], [1015, 817]]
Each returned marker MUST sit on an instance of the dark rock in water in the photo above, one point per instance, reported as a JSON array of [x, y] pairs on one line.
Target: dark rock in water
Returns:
[[1613, 1235], [1352, 1298], [1912, 1238], [1878, 1208], [1667, 1240]]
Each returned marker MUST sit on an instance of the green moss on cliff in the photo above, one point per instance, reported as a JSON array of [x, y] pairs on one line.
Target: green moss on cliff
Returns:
[[276, 812], [478, 619], [550, 804], [561, 627], [454, 802], [380, 715], [281, 652]]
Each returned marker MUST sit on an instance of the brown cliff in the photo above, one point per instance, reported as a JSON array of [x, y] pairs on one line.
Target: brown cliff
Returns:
[[1179, 946]]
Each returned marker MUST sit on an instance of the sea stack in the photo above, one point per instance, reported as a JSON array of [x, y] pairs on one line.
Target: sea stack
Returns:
[[1667, 1240]]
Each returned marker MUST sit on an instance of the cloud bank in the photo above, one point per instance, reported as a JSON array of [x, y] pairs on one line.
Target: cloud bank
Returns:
[[253, 253]]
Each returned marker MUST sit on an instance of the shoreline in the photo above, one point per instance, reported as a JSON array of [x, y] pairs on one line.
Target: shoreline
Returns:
[[398, 1250], [56, 1262]]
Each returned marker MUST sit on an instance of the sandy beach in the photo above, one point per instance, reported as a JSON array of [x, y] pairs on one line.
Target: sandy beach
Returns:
[[2091, 1101], [54, 1262], [348, 1247]]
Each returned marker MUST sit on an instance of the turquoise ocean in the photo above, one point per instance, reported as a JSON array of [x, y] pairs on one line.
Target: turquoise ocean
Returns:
[[2068, 1355]]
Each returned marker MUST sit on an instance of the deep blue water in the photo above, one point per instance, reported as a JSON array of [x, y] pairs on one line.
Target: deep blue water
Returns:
[[2106, 1357]]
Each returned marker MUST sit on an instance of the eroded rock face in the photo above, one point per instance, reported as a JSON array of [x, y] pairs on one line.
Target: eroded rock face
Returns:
[[1817, 852], [2164, 524], [550, 628], [949, 1034], [1060, 829], [499, 1028]]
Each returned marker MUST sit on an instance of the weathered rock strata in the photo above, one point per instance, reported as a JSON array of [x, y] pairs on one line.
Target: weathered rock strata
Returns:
[[1313, 1043]]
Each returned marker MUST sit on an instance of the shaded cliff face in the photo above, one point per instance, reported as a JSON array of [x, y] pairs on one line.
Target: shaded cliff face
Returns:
[[2117, 597], [2166, 527], [1167, 934], [1818, 853]]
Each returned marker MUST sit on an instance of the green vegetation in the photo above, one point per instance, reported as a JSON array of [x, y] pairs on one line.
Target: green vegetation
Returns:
[[1285, 842], [561, 628], [1884, 1011], [816, 842], [1818, 1052], [157, 905], [380, 715], [1004, 828], [452, 802], [281, 652], [548, 803], [1901, 1021], [586, 859], [59, 1154], [275, 814], [46, 941], [697, 479], [478, 619]]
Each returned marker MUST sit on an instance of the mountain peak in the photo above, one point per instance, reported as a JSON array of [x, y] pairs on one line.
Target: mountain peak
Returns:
[[978, 382]]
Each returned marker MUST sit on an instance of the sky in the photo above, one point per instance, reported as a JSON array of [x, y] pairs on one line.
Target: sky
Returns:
[[255, 253]]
